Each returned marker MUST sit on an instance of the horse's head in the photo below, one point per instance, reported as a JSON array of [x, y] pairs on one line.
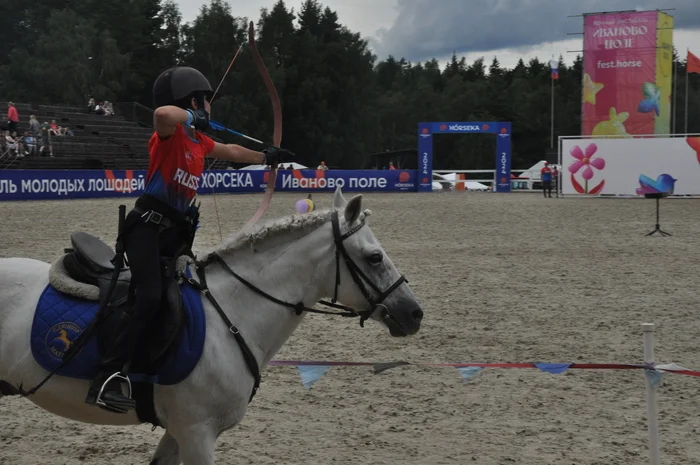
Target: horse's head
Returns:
[[365, 277]]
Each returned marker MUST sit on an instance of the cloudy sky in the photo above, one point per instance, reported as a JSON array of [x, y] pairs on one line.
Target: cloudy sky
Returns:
[[419, 30]]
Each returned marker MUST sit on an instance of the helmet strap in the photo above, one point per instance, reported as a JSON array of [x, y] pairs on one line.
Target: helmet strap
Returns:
[[199, 98]]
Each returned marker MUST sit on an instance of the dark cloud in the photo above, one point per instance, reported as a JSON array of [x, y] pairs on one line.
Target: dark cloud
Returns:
[[433, 28]]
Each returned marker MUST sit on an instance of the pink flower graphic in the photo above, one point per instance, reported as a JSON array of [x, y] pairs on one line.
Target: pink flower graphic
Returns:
[[587, 160]]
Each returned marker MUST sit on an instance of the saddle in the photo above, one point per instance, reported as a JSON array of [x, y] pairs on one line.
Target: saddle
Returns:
[[90, 265]]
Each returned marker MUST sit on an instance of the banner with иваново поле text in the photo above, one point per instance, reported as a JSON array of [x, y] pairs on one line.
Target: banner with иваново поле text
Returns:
[[88, 184], [627, 61]]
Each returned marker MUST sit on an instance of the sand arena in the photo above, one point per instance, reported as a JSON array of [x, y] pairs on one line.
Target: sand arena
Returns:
[[502, 278]]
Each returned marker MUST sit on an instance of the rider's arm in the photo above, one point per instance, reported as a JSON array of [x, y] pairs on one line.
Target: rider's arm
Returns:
[[236, 153], [166, 119]]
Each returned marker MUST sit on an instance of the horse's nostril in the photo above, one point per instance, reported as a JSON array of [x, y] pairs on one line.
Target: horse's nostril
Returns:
[[417, 314]]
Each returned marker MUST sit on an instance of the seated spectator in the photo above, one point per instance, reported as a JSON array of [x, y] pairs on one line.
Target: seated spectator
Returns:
[[99, 109], [108, 108], [13, 145], [30, 144], [53, 128], [57, 130], [391, 165], [322, 166], [91, 105]]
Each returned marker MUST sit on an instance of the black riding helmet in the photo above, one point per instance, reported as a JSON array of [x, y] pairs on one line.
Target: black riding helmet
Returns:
[[177, 85]]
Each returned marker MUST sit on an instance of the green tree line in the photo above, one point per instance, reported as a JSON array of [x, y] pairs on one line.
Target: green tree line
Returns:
[[340, 103]]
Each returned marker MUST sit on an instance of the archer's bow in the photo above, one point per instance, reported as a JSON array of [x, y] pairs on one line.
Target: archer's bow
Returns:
[[277, 132]]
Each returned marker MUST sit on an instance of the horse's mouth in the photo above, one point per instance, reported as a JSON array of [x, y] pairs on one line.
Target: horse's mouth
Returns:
[[396, 329]]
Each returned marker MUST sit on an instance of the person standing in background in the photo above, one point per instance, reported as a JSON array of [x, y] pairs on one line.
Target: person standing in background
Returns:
[[555, 180], [546, 176], [12, 117], [34, 126]]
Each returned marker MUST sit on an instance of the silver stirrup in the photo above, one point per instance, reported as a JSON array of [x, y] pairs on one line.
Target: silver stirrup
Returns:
[[117, 375]]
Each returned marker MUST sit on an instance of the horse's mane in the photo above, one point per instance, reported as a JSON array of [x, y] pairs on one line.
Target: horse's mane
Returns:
[[274, 228]]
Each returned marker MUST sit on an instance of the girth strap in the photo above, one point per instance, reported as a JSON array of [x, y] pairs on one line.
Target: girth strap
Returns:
[[248, 355]]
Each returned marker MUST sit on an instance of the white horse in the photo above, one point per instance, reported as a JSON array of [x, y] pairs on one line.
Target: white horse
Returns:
[[300, 258]]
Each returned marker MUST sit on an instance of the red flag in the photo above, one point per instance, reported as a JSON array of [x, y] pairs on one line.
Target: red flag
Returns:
[[693, 65]]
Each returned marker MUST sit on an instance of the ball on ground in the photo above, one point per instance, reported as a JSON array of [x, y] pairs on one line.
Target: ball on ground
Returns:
[[304, 206]]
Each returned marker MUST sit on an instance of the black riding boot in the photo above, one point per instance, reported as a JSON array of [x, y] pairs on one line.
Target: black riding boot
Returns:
[[105, 389]]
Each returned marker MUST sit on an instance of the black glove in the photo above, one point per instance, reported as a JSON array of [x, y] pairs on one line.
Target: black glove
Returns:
[[276, 155], [200, 119]]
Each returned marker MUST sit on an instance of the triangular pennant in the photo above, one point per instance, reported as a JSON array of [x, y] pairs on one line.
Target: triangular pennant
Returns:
[[654, 377], [311, 373], [554, 368], [468, 372], [692, 64], [671, 366], [380, 367]]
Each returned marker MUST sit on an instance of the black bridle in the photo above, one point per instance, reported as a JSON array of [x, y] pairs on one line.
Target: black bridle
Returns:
[[358, 276]]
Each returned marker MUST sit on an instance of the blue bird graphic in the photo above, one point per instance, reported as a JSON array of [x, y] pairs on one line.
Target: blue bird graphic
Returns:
[[652, 100], [664, 183]]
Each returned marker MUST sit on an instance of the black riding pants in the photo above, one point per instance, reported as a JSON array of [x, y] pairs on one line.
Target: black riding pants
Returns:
[[144, 244]]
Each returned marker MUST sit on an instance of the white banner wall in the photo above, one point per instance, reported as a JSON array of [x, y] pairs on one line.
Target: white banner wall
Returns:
[[631, 166]]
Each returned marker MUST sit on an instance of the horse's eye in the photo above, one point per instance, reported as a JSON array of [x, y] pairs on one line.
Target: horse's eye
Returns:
[[375, 258]]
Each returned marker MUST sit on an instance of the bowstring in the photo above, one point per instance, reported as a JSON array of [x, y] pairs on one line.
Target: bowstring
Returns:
[[213, 190]]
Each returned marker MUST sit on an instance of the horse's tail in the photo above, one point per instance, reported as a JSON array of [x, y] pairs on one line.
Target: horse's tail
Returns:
[[6, 389]]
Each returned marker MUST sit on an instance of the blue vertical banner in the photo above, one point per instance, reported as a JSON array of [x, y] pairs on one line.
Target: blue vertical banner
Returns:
[[503, 154], [425, 157], [503, 149]]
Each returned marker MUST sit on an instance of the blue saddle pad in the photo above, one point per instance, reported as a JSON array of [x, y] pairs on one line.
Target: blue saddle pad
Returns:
[[60, 318]]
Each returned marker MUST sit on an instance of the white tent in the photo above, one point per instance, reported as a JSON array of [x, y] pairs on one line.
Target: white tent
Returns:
[[534, 172], [296, 166], [468, 185]]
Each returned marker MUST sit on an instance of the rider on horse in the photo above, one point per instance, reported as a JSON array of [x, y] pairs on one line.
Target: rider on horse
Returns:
[[160, 224]]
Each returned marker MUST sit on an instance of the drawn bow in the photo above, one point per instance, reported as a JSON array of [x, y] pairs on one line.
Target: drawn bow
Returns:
[[277, 131], [277, 113]]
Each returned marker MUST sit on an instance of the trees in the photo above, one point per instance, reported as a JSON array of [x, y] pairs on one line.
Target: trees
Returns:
[[339, 102]]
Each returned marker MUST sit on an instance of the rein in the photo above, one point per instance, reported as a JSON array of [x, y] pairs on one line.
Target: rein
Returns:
[[357, 275]]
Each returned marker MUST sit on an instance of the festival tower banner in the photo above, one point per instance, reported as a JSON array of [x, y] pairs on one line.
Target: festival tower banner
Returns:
[[627, 77]]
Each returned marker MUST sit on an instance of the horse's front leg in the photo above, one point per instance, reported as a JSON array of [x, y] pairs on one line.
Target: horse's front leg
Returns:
[[196, 444], [167, 453]]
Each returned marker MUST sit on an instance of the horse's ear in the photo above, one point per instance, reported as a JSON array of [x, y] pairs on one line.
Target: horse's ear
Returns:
[[339, 201], [353, 209]]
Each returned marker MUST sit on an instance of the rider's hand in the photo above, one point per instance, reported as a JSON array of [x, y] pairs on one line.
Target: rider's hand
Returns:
[[276, 155], [200, 119]]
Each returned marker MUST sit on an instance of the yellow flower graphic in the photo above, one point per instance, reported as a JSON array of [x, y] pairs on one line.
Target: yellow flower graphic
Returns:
[[590, 88]]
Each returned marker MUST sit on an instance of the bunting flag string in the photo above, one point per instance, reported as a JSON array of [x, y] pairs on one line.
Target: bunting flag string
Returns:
[[311, 371]]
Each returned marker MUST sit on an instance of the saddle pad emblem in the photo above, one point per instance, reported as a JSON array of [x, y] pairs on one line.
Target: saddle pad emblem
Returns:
[[60, 337]]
